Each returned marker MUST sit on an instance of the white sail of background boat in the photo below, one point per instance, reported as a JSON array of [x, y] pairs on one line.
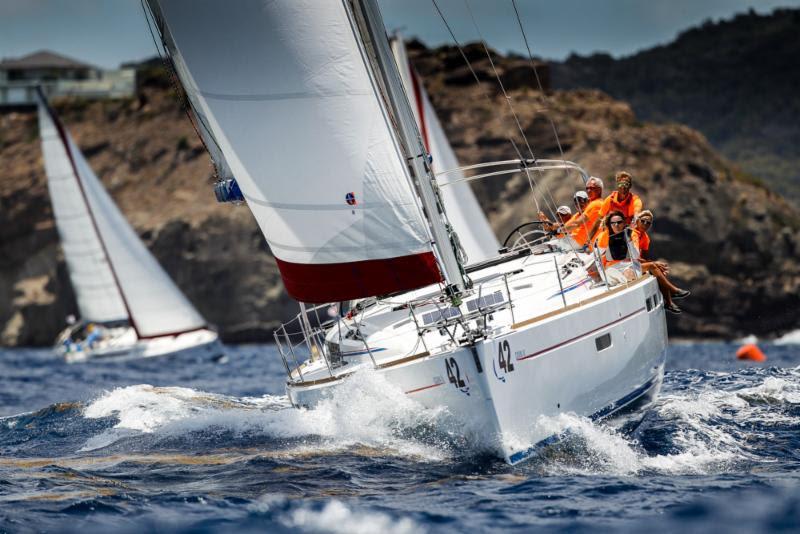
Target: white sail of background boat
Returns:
[[463, 209], [123, 294], [304, 100]]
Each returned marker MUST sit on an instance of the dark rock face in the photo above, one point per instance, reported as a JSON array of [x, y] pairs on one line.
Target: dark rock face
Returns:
[[732, 242], [735, 80]]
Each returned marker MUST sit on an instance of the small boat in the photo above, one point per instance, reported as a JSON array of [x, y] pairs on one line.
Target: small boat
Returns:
[[129, 306], [307, 118]]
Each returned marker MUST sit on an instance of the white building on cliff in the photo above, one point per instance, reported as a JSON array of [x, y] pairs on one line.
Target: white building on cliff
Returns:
[[60, 76]]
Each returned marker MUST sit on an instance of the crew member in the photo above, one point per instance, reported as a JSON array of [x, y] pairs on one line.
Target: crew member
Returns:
[[622, 200], [618, 251], [582, 222], [659, 269]]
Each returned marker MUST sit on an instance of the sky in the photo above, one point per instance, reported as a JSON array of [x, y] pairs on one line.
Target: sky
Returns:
[[106, 33]]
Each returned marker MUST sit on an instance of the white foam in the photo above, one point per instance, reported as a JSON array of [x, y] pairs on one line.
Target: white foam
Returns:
[[335, 516], [790, 338], [709, 436], [369, 412], [775, 390]]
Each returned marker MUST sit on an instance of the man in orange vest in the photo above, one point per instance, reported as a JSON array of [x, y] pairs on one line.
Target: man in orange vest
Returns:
[[589, 212], [622, 200]]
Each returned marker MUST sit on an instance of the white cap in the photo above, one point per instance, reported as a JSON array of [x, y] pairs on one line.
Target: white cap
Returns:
[[581, 195], [564, 210]]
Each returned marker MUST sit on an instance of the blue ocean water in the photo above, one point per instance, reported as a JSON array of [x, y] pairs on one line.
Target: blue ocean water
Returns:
[[185, 444]]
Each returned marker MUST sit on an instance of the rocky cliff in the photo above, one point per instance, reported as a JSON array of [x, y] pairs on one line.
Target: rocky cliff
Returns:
[[734, 80], [734, 243]]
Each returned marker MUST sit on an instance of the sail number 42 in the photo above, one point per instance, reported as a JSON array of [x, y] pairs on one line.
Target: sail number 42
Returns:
[[454, 373], [504, 357]]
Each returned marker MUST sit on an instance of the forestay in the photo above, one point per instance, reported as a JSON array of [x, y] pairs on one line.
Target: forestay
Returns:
[[463, 210], [289, 98], [106, 259]]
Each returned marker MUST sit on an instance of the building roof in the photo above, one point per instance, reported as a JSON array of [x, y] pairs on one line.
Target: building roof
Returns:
[[43, 59]]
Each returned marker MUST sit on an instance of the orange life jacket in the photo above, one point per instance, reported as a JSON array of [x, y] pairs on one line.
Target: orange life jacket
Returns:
[[629, 207]]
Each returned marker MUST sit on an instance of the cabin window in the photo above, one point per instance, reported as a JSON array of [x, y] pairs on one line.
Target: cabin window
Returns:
[[604, 341], [649, 303]]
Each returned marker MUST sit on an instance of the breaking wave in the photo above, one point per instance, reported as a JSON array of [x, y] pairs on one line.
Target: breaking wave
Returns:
[[368, 412], [698, 431]]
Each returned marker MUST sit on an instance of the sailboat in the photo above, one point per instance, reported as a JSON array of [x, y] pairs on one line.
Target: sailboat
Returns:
[[304, 109], [129, 305]]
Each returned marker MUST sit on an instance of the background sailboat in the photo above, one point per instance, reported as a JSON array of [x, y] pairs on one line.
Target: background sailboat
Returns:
[[119, 285]]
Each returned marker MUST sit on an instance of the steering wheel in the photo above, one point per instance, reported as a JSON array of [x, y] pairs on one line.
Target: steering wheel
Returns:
[[526, 235]]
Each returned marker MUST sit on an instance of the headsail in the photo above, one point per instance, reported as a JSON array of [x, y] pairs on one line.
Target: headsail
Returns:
[[287, 93], [462, 207], [114, 275]]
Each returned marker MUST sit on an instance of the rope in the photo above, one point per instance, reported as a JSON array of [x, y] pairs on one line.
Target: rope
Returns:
[[544, 98], [173, 77], [531, 181]]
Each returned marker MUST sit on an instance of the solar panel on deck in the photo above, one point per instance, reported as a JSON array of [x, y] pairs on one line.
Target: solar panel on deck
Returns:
[[485, 301], [440, 315]]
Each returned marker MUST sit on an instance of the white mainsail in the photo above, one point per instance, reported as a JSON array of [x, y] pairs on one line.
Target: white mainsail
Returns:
[[287, 93], [114, 275], [463, 209], [96, 291]]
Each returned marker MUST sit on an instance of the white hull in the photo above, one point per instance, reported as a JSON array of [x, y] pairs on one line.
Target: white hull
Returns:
[[123, 344], [555, 368]]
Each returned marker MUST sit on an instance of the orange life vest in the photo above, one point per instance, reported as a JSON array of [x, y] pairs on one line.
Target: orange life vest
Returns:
[[592, 213], [629, 207]]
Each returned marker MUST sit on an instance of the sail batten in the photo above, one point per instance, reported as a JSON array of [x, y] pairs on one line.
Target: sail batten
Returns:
[[289, 99], [114, 275]]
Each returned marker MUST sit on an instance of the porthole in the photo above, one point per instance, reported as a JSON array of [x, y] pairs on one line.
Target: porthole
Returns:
[[604, 341]]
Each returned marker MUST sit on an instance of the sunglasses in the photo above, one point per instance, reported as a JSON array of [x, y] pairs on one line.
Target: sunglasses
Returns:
[[646, 222], [618, 221], [590, 187]]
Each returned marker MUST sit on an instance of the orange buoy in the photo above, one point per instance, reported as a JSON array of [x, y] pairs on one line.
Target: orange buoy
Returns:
[[750, 352]]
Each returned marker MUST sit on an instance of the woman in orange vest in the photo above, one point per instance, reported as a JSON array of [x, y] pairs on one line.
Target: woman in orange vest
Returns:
[[619, 250], [659, 269]]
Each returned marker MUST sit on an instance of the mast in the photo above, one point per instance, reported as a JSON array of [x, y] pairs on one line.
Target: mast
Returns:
[[369, 24]]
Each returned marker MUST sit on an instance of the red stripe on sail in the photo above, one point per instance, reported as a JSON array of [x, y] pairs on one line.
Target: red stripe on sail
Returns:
[[334, 282], [423, 125]]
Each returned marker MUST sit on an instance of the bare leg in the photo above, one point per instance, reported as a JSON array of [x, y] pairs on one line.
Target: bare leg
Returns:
[[663, 283], [670, 286]]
